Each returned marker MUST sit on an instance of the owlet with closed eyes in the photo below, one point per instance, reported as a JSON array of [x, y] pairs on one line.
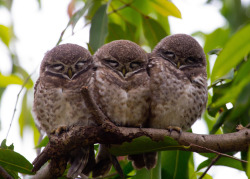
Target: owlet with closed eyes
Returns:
[[121, 88], [58, 102], [178, 83]]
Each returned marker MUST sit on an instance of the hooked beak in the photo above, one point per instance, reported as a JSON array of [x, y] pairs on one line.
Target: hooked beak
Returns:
[[124, 71], [70, 73], [178, 65]]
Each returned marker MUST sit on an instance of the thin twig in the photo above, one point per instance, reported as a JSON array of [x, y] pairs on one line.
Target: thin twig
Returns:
[[120, 8], [136, 9], [4, 174], [218, 153], [15, 108], [211, 164]]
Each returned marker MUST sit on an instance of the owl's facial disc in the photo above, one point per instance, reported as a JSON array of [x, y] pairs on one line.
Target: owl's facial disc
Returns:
[[69, 72]]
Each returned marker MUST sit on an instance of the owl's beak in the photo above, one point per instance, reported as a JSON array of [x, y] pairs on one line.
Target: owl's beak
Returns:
[[124, 71], [178, 65], [70, 73]]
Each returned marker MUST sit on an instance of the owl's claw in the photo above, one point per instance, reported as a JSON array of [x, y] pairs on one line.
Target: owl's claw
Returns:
[[174, 128], [60, 130], [241, 127]]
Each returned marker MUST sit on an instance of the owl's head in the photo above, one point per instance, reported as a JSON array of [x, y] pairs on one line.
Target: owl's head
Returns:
[[66, 61], [123, 57], [182, 51]]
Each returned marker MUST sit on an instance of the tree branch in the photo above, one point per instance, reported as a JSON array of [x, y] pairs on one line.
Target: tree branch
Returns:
[[60, 146], [107, 133], [4, 174]]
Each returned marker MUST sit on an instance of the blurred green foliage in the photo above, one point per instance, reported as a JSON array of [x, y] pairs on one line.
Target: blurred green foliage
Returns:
[[146, 24]]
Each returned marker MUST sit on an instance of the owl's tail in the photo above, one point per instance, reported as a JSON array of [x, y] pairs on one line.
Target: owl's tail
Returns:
[[104, 161], [82, 160], [147, 160]]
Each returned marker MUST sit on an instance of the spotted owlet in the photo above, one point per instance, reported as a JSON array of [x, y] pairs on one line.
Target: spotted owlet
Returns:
[[58, 102], [121, 87], [178, 82]]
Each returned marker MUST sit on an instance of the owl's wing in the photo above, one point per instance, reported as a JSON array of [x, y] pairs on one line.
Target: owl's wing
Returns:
[[35, 87]]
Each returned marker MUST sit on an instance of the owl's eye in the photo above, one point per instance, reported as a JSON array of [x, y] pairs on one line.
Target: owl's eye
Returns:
[[80, 64], [135, 64], [168, 54], [112, 63], [191, 60], [57, 67]]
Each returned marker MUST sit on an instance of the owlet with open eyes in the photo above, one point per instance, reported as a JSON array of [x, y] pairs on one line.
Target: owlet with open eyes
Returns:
[[121, 86], [178, 83], [58, 102]]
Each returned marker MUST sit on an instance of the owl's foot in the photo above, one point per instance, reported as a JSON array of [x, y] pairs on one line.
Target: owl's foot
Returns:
[[60, 130], [241, 127], [174, 128]]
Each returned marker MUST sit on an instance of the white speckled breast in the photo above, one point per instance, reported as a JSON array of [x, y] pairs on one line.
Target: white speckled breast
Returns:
[[176, 101], [55, 107], [126, 103]]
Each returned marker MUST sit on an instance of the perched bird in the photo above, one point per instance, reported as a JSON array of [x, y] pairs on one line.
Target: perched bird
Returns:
[[178, 83], [121, 89], [58, 102]]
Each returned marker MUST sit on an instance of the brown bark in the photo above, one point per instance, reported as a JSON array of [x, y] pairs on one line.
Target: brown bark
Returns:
[[107, 133], [59, 146]]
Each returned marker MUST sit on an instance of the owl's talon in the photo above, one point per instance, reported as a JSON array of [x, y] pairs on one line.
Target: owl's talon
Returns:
[[174, 128], [60, 130]]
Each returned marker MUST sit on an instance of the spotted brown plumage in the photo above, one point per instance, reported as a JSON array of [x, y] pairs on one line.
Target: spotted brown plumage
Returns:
[[178, 83], [121, 88], [58, 101]]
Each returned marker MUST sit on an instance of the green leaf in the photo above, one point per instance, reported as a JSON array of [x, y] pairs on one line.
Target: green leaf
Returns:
[[228, 76], [99, 28], [150, 174], [13, 79], [4, 146], [219, 122], [144, 144], [223, 161], [43, 143], [153, 31], [8, 80], [128, 14], [175, 164], [5, 34], [26, 118], [214, 51], [117, 32], [231, 94], [75, 18], [234, 51], [14, 161], [166, 8]]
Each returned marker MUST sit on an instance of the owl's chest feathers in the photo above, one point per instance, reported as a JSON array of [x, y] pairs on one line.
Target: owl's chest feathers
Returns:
[[59, 107], [124, 103], [176, 101]]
